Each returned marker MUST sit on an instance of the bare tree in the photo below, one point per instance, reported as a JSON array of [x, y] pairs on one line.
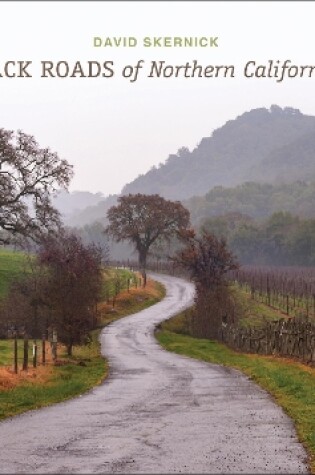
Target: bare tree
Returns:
[[208, 260], [28, 177], [74, 283], [145, 219]]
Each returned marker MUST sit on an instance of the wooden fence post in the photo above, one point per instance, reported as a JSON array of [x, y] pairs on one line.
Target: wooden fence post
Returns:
[[34, 354], [15, 351], [43, 350], [54, 345], [25, 353]]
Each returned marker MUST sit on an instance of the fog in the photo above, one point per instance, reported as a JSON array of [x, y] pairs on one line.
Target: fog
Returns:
[[112, 129]]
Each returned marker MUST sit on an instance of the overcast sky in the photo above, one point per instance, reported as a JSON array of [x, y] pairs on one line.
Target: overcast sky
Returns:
[[112, 130]]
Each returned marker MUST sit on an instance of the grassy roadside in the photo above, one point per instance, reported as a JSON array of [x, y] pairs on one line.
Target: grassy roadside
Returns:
[[290, 383], [71, 377]]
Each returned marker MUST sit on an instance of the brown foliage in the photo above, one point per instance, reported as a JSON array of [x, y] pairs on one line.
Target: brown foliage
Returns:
[[208, 260], [145, 219], [74, 283], [9, 380], [214, 307], [61, 291]]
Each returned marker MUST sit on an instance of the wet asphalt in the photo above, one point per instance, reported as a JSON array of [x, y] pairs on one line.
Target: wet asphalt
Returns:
[[156, 413]]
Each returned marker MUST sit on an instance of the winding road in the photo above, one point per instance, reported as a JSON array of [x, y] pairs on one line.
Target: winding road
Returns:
[[156, 413]]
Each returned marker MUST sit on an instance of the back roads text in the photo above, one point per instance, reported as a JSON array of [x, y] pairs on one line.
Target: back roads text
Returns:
[[276, 69]]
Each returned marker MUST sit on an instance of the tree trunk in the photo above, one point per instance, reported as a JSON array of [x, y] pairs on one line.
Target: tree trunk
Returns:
[[69, 349], [143, 265]]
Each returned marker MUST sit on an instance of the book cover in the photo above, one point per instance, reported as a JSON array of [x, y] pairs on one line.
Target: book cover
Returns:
[[157, 161]]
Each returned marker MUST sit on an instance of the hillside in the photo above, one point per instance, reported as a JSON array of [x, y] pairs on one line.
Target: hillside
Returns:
[[76, 201], [256, 200], [272, 147], [92, 213], [295, 161], [260, 145]]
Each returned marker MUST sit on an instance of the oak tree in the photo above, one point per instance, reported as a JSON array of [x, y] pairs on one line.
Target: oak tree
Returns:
[[29, 175], [145, 219]]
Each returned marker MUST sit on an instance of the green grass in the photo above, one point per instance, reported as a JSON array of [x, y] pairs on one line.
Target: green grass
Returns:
[[6, 351], [291, 384], [254, 313], [12, 264], [296, 306], [117, 280]]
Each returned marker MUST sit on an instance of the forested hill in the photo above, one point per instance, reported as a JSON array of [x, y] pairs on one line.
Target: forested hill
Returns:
[[255, 200], [262, 145]]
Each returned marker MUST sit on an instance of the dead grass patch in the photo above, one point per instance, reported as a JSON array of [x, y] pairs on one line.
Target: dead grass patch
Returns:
[[9, 380]]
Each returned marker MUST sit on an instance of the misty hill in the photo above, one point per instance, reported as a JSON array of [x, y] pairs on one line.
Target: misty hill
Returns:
[[295, 161], [255, 200], [68, 203], [91, 214], [275, 146], [263, 145]]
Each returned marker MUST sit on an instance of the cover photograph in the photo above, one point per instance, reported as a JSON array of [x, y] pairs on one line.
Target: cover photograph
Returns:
[[157, 237]]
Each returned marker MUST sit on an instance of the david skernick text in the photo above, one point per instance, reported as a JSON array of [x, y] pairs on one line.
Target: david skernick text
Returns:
[[156, 42]]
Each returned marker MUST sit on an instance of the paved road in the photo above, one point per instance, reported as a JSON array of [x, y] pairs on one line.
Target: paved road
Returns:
[[157, 413]]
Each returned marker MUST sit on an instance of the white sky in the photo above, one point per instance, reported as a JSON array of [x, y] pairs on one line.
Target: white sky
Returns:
[[112, 130]]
